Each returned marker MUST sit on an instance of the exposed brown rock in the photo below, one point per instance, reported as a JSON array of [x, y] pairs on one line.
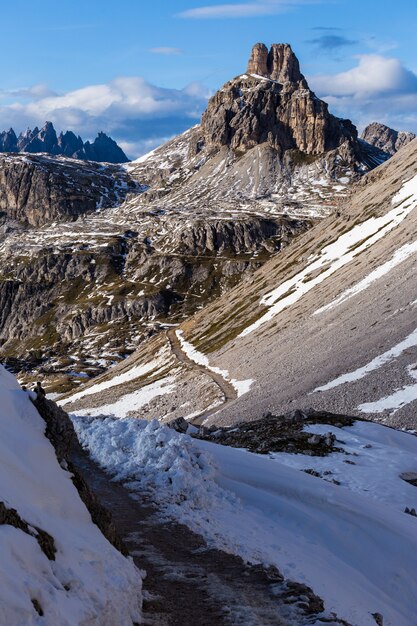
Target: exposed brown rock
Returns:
[[282, 111], [38, 189], [258, 62], [386, 138]]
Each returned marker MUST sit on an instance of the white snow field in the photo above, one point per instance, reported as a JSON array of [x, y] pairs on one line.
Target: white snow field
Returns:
[[89, 583], [353, 544]]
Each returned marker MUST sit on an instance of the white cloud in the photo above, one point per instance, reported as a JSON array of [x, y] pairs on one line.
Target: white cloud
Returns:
[[374, 75], [243, 9], [133, 111], [166, 50], [378, 88]]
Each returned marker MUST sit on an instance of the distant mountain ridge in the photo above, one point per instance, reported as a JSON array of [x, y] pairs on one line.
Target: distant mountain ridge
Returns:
[[385, 138], [67, 143]]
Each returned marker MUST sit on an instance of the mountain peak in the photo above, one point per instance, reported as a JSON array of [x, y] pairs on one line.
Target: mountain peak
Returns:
[[45, 140], [279, 63], [385, 138]]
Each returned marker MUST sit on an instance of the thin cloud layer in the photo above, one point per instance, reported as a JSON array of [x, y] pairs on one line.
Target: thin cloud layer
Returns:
[[243, 9], [331, 42], [166, 50]]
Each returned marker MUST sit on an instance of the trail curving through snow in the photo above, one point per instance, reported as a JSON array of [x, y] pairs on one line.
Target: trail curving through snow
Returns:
[[227, 388]]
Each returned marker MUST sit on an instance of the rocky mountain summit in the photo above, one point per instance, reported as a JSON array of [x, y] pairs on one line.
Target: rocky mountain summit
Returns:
[[265, 142], [273, 104], [385, 138], [103, 148], [175, 229]]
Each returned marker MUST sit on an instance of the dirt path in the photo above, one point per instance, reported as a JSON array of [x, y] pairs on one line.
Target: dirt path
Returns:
[[188, 584], [229, 392]]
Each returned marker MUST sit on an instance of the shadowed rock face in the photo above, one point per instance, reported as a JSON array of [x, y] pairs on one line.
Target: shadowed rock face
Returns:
[[385, 138], [281, 110]]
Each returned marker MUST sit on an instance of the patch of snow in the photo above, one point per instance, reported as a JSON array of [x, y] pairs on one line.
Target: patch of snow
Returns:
[[380, 360], [241, 386], [131, 374], [400, 255], [89, 582], [133, 401], [337, 254], [396, 400]]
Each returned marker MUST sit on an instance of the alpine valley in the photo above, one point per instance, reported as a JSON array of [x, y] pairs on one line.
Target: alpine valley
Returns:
[[230, 323]]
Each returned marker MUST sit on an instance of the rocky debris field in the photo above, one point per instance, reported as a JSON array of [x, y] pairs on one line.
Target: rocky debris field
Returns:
[[275, 433]]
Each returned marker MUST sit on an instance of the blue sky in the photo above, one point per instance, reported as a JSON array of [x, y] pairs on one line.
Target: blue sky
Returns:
[[142, 70]]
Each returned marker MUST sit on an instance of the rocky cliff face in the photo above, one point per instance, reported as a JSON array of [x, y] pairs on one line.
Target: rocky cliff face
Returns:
[[385, 138], [37, 189], [264, 142], [272, 104], [103, 148]]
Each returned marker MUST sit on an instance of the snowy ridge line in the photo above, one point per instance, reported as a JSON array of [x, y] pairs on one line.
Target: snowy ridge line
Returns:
[[380, 360], [338, 254], [395, 401], [400, 255], [241, 386]]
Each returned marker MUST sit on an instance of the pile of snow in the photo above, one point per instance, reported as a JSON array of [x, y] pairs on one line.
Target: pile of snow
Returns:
[[356, 551], [89, 582], [153, 458]]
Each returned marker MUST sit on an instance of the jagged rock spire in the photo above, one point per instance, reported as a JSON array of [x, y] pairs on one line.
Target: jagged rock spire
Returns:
[[279, 63]]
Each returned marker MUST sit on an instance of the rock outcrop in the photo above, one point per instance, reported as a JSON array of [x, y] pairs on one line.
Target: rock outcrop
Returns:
[[385, 138], [279, 110], [38, 189], [279, 63], [45, 140], [60, 432]]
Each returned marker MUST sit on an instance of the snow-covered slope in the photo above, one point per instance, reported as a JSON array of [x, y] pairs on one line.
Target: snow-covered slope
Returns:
[[351, 542], [86, 582], [330, 323]]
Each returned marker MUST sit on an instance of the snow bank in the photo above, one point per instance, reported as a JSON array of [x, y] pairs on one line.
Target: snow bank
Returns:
[[356, 552], [151, 457], [337, 254], [89, 582]]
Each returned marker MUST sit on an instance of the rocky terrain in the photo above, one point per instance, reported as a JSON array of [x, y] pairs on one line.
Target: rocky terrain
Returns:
[[173, 230], [45, 140], [265, 143], [328, 323], [36, 190], [385, 138]]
